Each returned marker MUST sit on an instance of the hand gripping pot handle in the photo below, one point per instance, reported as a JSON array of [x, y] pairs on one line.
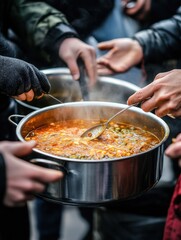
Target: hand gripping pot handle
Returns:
[[49, 164]]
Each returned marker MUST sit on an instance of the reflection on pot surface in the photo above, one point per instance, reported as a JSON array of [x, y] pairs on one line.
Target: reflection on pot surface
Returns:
[[90, 182]]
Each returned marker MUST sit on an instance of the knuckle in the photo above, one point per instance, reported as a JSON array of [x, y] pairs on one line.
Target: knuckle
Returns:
[[20, 197], [172, 106], [139, 95]]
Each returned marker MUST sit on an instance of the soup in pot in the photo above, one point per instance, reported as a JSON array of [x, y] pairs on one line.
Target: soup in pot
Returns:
[[118, 140]]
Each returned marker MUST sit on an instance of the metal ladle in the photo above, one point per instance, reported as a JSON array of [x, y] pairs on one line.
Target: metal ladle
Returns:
[[56, 99], [97, 130]]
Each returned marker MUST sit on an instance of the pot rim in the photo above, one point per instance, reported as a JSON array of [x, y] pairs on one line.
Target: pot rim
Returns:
[[66, 71], [90, 103], [113, 80]]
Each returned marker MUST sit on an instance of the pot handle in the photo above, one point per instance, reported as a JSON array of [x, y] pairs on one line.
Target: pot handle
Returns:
[[48, 164], [13, 116]]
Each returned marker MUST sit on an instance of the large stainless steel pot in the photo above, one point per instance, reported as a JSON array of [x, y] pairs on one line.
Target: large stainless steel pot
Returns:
[[98, 181], [63, 87]]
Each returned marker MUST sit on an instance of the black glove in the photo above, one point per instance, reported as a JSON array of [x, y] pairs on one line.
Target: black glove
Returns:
[[18, 76], [6, 48]]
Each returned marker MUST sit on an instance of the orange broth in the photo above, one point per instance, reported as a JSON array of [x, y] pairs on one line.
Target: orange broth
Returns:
[[118, 140]]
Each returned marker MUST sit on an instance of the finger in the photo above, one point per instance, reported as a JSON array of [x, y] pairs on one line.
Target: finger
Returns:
[[105, 45], [10, 203], [162, 111], [48, 175], [168, 107], [174, 150], [176, 113], [90, 65], [17, 198], [73, 67], [29, 95], [178, 138], [21, 97], [141, 95], [20, 148], [14, 198], [103, 70], [161, 75], [149, 104], [30, 185], [103, 60]]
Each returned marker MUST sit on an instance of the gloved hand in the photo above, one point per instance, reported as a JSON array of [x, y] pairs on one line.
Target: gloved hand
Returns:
[[18, 76]]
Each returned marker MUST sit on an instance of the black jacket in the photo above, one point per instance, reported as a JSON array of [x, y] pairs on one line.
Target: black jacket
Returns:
[[162, 41]]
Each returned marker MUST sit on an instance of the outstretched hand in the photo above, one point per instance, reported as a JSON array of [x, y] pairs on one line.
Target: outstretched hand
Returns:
[[122, 54]]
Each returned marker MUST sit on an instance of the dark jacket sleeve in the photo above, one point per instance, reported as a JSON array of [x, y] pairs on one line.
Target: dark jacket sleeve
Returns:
[[162, 41], [53, 40], [2, 178], [39, 26], [84, 16]]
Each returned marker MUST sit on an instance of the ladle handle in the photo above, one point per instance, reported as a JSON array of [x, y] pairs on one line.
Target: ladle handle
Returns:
[[83, 82], [56, 99], [121, 111]]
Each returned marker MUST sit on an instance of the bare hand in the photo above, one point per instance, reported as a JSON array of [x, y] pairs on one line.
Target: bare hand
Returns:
[[163, 94], [23, 178], [121, 56], [73, 49]]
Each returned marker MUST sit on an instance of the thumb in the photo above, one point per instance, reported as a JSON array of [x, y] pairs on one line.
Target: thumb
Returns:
[[21, 148]]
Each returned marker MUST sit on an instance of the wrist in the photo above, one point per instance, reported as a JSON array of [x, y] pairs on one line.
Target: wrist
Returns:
[[55, 37], [139, 51]]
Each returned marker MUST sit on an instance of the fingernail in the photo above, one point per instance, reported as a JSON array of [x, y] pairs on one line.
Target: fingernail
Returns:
[[76, 76]]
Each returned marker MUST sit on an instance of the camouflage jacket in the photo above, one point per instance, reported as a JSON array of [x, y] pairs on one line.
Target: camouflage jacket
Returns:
[[38, 25]]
